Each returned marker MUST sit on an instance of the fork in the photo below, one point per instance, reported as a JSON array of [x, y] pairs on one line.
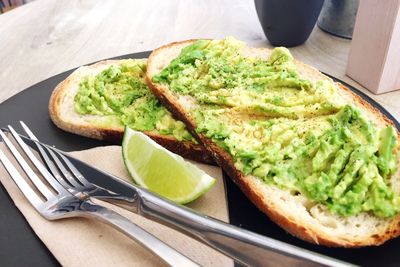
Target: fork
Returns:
[[243, 246], [77, 183], [63, 204]]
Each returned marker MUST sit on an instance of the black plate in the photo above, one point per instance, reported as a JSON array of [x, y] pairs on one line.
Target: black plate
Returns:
[[20, 246]]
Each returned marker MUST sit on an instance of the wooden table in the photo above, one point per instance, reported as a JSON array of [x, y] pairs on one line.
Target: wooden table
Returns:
[[47, 37]]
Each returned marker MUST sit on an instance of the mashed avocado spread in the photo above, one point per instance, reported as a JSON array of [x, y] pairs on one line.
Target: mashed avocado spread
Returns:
[[285, 129], [121, 93]]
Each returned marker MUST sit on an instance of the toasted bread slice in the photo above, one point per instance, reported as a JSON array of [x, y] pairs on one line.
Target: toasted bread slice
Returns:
[[106, 127], [298, 215]]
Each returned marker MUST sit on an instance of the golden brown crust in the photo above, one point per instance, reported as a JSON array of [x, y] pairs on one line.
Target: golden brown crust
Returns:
[[56, 102], [114, 134], [248, 185]]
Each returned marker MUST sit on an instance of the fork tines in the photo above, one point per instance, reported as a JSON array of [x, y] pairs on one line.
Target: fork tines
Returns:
[[38, 183]]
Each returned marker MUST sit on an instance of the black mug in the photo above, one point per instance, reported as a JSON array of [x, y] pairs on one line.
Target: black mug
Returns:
[[288, 22]]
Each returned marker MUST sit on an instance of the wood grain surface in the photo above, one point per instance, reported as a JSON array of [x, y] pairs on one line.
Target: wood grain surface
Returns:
[[46, 37], [374, 55]]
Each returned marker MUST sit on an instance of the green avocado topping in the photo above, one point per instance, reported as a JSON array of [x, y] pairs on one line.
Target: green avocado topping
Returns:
[[121, 94], [286, 130]]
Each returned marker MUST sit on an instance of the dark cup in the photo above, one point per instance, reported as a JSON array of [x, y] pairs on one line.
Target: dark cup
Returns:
[[288, 22]]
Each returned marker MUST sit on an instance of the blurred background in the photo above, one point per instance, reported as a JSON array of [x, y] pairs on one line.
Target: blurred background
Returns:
[[6, 5]]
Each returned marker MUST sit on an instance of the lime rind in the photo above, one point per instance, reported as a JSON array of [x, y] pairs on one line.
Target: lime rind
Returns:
[[161, 171]]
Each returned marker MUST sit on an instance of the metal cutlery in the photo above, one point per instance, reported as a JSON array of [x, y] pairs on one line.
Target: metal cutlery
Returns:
[[244, 246], [56, 202]]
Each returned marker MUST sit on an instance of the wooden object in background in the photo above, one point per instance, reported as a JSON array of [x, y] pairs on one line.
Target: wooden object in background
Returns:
[[374, 59]]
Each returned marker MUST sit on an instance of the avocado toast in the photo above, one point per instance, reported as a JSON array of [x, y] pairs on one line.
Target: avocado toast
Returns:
[[316, 158], [99, 100]]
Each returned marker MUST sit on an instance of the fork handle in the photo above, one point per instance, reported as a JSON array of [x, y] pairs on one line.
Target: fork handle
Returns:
[[168, 254]]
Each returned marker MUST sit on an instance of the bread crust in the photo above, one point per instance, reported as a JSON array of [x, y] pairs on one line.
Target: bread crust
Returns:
[[78, 124], [262, 195]]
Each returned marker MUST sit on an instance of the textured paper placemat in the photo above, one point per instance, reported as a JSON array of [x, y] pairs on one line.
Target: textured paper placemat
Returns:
[[84, 242]]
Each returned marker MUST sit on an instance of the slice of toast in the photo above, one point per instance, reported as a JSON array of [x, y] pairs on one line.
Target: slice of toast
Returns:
[[106, 127], [295, 213]]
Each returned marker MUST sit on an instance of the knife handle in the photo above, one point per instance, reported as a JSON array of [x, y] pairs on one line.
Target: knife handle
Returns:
[[243, 246]]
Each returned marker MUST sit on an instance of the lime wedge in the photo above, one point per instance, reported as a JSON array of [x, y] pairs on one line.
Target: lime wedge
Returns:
[[161, 171]]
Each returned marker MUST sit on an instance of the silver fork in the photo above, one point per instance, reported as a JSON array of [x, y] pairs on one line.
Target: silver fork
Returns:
[[77, 183], [63, 204], [243, 246]]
